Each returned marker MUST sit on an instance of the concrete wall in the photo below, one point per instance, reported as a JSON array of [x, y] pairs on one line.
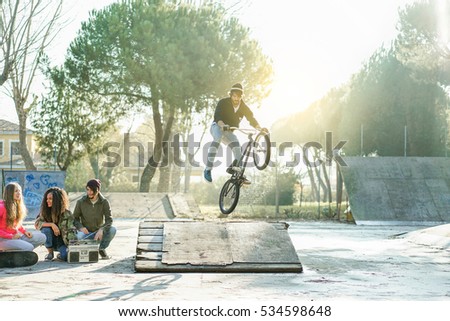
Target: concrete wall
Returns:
[[398, 189]]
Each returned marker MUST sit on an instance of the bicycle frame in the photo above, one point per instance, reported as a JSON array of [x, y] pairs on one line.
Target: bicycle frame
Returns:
[[229, 195], [243, 161]]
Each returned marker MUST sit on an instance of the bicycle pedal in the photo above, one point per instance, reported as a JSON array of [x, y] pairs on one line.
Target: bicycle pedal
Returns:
[[234, 169]]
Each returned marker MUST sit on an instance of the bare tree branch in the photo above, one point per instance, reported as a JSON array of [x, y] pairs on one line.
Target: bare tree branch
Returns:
[[31, 26], [6, 34]]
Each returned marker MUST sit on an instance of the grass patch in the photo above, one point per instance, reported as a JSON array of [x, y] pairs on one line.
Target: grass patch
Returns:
[[308, 212]]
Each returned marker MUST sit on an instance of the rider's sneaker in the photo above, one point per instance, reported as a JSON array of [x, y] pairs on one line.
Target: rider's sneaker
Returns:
[[207, 175], [246, 181], [233, 167]]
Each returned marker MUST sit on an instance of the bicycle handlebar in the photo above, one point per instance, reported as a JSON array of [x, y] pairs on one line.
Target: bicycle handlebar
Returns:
[[246, 130]]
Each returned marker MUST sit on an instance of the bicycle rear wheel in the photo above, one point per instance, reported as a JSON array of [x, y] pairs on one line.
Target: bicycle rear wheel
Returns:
[[229, 196], [261, 151]]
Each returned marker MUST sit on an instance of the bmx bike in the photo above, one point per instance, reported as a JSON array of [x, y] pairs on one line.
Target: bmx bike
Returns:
[[259, 148]]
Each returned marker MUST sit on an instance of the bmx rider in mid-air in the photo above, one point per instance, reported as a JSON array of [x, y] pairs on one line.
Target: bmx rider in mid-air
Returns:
[[229, 113]]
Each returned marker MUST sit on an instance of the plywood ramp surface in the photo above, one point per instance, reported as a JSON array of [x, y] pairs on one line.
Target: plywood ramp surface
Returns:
[[192, 246]]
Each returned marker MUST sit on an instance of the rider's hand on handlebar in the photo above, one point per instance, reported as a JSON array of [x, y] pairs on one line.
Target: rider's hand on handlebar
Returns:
[[264, 130]]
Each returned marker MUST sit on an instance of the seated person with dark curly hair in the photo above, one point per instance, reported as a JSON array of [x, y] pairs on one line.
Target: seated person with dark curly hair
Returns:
[[55, 220]]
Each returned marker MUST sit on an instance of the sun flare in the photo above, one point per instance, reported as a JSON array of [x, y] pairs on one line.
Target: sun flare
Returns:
[[443, 13]]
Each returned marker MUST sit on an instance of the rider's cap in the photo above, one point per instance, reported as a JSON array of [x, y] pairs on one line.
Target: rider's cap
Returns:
[[237, 87]]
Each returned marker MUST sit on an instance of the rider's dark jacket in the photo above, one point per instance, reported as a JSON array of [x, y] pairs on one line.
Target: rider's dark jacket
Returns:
[[225, 112]]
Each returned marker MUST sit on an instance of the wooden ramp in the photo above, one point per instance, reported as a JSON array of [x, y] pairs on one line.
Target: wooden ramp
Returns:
[[192, 246]]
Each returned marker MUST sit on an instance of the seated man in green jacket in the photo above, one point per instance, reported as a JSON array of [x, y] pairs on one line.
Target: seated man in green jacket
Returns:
[[92, 217]]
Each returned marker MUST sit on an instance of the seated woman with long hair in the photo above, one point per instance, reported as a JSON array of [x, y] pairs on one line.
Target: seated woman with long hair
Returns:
[[56, 221], [13, 236]]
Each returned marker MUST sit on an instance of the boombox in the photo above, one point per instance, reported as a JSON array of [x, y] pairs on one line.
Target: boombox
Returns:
[[83, 251]]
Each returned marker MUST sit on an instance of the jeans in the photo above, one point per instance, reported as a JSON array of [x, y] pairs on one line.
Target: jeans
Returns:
[[55, 242], [228, 138], [23, 243], [108, 235]]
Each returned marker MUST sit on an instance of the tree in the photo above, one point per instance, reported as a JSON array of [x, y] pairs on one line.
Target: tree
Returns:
[[385, 97], [28, 28], [69, 124], [380, 100], [423, 43], [7, 25], [173, 57], [285, 185]]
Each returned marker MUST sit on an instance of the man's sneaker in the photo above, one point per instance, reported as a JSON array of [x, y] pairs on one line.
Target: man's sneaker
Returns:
[[58, 258], [103, 254], [246, 181], [207, 175]]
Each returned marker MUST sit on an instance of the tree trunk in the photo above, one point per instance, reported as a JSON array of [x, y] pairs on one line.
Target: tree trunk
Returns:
[[321, 183], [162, 136], [327, 182], [152, 164], [147, 175], [164, 171], [93, 160], [175, 178], [301, 196], [187, 172], [339, 189], [103, 176], [8, 51], [313, 194], [24, 152]]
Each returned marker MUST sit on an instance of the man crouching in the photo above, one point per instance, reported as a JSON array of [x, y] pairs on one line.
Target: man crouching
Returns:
[[93, 219]]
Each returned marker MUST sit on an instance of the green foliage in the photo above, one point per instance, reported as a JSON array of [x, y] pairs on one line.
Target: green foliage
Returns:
[[77, 175], [384, 99], [260, 192], [309, 212], [70, 123], [205, 193], [181, 54], [398, 87], [423, 44], [172, 57], [269, 180]]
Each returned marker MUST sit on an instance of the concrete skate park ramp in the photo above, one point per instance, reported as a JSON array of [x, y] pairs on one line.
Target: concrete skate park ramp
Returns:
[[436, 236], [147, 205], [394, 190], [192, 246]]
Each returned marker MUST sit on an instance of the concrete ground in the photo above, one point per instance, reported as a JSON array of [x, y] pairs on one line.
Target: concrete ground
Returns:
[[340, 261]]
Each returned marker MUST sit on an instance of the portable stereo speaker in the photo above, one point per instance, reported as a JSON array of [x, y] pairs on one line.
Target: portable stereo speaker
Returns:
[[83, 251]]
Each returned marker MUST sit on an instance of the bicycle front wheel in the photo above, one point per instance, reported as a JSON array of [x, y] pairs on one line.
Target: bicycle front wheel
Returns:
[[229, 196], [261, 152]]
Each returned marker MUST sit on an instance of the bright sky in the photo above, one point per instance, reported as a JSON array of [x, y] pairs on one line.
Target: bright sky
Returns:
[[315, 45]]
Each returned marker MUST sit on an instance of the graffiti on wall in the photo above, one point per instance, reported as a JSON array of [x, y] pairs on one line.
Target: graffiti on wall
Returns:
[[34, 184]]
